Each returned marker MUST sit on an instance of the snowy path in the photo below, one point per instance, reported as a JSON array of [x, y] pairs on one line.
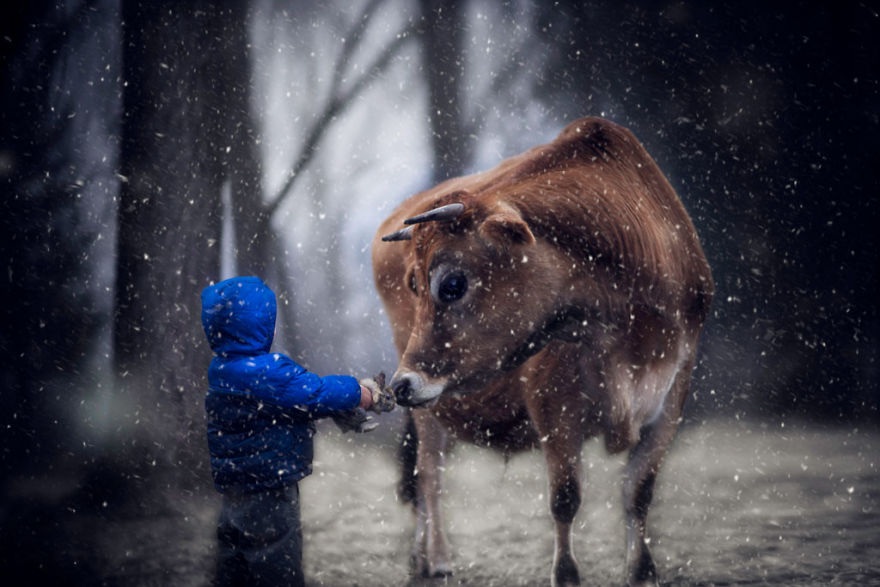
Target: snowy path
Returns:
[[734, 505]]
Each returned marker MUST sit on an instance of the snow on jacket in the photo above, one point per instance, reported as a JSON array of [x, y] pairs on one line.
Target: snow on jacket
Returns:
[[261, 406]]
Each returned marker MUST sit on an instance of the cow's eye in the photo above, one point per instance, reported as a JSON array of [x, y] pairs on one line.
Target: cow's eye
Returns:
[[452, 287]]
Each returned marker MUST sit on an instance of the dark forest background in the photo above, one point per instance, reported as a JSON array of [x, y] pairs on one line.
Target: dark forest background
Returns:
[[149, 148]]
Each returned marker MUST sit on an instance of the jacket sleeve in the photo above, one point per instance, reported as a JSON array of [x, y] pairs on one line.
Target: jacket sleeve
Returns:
[[319, 396]]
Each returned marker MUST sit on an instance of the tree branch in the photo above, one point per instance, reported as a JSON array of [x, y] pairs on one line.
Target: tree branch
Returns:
[[352, 40], [335, 105]]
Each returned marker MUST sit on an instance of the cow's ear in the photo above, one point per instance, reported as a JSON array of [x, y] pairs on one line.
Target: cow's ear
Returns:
[[506, 227]]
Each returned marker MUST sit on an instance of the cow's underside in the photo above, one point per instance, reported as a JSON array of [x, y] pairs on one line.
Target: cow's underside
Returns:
[[498, 417]]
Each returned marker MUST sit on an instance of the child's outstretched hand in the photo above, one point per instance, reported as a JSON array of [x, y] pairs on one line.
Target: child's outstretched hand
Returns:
[[355, 420], [381, 395]]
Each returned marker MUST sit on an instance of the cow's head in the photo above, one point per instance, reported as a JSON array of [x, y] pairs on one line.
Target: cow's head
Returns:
[[485, 294]]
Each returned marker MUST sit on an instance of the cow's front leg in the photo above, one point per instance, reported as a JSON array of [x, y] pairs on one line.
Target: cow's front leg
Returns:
[[560, 427], [562, 452], [431, 554]]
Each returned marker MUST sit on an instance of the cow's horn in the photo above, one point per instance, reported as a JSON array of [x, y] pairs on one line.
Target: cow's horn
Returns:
[[404, 234], [441, 214]]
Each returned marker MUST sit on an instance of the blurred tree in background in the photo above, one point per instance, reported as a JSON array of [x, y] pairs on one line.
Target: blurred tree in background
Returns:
[[173, 162]]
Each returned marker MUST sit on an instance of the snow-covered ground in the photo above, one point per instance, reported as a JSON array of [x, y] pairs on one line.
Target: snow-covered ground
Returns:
[[736, 503]]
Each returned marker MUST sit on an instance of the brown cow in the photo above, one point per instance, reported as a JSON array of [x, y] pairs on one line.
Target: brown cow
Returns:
[[553, 298]]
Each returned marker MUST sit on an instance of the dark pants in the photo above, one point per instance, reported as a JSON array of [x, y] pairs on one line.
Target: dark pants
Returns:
[[260, 539]]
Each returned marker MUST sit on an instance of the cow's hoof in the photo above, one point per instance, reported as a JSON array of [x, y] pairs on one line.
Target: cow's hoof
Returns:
[[420, 567], [565, 572], [437, 571], [643, 573], [417, 565]]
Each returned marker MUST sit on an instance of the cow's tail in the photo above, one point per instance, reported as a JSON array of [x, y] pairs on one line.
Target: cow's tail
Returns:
[[406, 455]]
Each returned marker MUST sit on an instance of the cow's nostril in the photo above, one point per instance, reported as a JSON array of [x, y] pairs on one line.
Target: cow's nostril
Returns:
[[402, 390]]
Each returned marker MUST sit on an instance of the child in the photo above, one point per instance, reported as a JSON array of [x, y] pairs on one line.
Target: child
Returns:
[[261, 409]]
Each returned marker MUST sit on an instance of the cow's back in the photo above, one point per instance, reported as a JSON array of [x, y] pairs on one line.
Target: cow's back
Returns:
[[597, 192]]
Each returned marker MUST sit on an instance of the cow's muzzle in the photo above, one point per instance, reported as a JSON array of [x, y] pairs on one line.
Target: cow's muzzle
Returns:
[[411, 390]]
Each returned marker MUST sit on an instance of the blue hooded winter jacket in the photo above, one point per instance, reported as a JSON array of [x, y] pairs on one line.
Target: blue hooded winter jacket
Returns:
[[261, 406]]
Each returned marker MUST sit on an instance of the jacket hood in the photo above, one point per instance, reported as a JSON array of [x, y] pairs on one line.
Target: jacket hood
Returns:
[[238, 316]]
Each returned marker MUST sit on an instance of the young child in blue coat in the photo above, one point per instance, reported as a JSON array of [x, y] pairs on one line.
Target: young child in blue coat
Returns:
[[261, 408]]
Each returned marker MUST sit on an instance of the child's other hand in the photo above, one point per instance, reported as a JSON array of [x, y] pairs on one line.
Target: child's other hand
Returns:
[[355, 420]]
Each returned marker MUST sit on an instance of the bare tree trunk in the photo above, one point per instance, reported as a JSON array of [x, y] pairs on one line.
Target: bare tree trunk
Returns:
[[253, 233], [169, 224], [51, 176], [443, 56]]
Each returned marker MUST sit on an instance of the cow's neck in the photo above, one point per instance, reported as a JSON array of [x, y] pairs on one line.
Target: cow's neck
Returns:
[[565, 324]]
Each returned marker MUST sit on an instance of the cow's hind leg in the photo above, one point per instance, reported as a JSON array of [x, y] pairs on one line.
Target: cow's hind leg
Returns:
[[431, 549], [639, 477]]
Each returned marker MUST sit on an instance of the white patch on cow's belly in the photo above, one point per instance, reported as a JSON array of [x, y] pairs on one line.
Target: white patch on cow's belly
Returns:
[[653, 387]]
